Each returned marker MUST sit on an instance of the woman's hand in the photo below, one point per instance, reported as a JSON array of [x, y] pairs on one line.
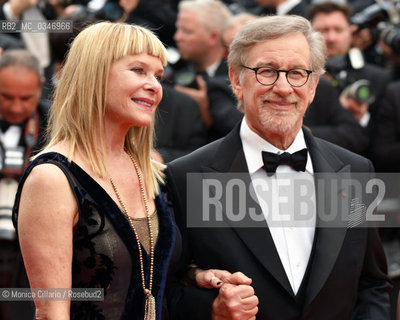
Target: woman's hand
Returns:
[[211, 278], [215, 278]]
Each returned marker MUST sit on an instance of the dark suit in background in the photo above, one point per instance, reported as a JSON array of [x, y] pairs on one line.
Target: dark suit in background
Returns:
[[222, 103], [300, 9], [178, 126], [385, 152]]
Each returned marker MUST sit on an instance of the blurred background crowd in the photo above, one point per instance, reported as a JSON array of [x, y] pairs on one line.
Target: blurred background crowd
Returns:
[[357, 103]]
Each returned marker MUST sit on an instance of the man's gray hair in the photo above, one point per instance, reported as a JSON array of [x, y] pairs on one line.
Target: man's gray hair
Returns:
[[21, 58], [273, 27], [213, 14]]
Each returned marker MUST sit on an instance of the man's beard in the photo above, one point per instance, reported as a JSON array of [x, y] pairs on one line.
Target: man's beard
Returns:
[[279, 122]]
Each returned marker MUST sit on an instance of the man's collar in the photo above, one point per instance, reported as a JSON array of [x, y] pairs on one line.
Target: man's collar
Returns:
[[253, 145], [212, 69]]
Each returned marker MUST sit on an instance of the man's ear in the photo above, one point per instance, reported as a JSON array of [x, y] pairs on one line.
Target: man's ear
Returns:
[[40, 88], [215, 38], [236, 86]]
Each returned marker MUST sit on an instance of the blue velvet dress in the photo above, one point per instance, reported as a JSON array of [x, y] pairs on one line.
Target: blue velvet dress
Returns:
[[105, 252]]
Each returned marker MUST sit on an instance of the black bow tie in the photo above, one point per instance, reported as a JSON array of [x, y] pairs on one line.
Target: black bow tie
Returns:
[[4, 125], [297, 160]]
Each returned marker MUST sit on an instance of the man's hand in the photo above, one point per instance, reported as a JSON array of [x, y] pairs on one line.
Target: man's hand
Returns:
[[356, 108], [362, 38], [388, 52], [128, 5], [19, 6], [236, 299]]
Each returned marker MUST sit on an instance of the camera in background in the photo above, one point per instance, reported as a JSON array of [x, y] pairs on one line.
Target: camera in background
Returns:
[[361, 91], [382, 19]]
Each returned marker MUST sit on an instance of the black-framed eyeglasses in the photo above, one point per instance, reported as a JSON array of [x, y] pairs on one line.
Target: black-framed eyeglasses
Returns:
[[267, 76]]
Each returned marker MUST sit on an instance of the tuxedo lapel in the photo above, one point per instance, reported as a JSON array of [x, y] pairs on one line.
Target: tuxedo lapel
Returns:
[[230, 159], [331, 198], [260, 243]]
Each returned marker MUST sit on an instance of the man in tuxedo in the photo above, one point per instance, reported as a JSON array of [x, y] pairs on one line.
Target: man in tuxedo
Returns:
[[325, 117], [258, 266]]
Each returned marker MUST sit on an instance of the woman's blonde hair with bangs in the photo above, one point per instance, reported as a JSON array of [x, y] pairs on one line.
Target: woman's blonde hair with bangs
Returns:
[[77, 113]]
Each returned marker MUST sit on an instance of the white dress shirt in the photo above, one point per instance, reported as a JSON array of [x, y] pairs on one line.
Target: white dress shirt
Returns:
[[212, 70], [291, 223], [10, 138]]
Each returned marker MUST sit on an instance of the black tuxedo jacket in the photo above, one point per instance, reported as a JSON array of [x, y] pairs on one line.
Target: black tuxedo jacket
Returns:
[[347, 272]]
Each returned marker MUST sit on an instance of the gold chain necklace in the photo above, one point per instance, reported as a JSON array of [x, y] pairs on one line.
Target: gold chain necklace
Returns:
[[150, 305]]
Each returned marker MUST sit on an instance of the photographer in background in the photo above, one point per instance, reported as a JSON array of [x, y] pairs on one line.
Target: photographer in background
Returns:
[[389, 43], [202, 72], [346, 65], [23, 119]]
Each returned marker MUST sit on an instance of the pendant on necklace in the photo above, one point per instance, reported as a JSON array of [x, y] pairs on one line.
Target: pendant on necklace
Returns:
[[150, 307]]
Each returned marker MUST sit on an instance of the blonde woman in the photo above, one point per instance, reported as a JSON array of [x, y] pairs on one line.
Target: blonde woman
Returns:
[[88, 209]]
